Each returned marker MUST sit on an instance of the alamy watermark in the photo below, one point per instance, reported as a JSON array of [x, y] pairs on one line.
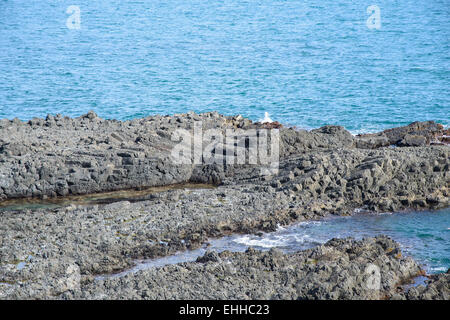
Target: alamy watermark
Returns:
[[374, 20], [73, 22], [373, 281], [259, 147]]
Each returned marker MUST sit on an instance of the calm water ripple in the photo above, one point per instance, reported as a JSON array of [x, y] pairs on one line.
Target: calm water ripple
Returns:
[[307, 63]]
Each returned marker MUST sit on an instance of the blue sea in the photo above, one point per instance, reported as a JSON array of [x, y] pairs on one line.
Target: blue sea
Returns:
[[307, 63], [424, 235]]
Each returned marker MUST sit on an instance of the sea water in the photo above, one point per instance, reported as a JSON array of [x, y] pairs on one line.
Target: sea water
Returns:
[[423, 235], [306, 63]]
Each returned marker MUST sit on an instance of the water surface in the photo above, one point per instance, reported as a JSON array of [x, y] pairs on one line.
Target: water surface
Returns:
[[308, 63], [131, 195], [424, 235]]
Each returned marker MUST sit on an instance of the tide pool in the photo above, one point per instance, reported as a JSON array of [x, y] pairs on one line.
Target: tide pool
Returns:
[[423, 235]]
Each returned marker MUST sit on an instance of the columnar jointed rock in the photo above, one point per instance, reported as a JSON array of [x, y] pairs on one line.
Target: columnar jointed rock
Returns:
[[60, 156], [323, 171], [436, 288], [415, 134], [340, 269]]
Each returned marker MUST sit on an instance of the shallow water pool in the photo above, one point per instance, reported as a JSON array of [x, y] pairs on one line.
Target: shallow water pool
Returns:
[[424, 235]]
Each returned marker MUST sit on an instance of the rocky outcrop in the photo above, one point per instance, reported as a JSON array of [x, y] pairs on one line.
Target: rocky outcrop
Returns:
[[437, 287], [416, 134], [340, 269], [60, 156], [321, 172]]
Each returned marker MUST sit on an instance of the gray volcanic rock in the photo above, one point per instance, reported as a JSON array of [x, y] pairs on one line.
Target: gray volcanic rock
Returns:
[[328, 137], [372, 141], [321, 172], [437, 288], [340, 269], [413, 140], [62, 156], [413, 135]]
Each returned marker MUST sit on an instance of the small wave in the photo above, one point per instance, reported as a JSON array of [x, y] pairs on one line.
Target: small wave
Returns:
[[307, 234], [263, 243], [306, 240], [307, 223], [438, 269]]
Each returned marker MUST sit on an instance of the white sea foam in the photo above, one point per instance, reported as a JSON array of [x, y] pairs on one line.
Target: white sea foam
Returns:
[[266, 118], [302, 238], [308, 234], [438, 269], [277, 241], [312, 222]]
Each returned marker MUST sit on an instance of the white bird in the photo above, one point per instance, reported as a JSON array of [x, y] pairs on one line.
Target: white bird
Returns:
[[266, 118]]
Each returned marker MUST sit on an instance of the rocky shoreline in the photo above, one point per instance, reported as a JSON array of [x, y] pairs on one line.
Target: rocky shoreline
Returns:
[[55, 253], [335, 270]]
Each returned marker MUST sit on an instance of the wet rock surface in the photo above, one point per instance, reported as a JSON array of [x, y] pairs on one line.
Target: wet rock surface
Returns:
[[321, 172], [372, 268], [437, 287]]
